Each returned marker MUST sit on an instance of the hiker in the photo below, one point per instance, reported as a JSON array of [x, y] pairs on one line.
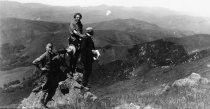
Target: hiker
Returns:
[[88, 54], [61, 59], [65, 57], [76, 30], [50, 70]]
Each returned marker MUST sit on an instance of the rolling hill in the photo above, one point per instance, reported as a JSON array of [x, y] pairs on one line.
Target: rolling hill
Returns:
[[21, 38], [164, 18]]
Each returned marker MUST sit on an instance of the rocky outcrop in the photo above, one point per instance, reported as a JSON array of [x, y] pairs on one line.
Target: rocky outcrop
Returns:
[[192, 80], [69, 94], [191, 92], [158, 53]]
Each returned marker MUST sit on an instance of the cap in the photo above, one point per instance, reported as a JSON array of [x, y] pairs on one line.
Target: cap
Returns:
[[50, 45], [89, 29]]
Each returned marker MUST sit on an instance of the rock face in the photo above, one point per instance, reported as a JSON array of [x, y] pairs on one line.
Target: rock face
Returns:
[[159, 53], [192, 80], [191, 92], [68, 95]]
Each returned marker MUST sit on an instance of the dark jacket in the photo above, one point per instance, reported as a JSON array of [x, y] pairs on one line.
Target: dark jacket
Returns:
[[75, 39], [64, 57], [75, 26], [87, 45]]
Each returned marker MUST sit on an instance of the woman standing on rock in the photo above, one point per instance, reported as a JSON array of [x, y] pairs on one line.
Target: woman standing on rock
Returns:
[[76, 30]]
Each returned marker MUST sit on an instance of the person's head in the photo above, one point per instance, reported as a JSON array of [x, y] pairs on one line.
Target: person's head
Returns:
[[90, 30], [49, 47], [71, 49], [77, 17]]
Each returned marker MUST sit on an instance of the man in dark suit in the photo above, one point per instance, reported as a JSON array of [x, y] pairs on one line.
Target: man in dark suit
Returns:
[[88, 54]]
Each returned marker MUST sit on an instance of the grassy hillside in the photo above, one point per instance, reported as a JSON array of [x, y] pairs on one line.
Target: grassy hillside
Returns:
[[184, 86], [16, 84], [161, 88], [23, 40]]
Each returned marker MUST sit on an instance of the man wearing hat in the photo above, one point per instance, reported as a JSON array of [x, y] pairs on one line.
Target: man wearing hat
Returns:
[[88, 54]]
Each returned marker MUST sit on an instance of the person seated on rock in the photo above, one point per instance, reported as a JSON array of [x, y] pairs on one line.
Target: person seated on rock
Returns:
[[62, 56], [76, 30], [88, 54], [47, 63], [65, 56]]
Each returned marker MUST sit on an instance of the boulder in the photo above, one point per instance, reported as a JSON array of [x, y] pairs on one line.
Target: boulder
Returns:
[[69, 94]]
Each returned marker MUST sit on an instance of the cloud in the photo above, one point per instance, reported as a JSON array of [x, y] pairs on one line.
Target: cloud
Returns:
[[108, 12]]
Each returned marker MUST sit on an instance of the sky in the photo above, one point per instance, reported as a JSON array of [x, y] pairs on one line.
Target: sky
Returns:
[[193, 7]]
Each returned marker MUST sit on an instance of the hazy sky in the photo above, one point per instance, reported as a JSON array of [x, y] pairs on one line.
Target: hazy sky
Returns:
[[194, 7]]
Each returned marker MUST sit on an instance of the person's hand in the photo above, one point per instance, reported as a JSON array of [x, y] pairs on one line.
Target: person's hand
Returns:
[[97, 53], [75, 32], [44, 69], [71, 49], [94, 51], [82, 35]]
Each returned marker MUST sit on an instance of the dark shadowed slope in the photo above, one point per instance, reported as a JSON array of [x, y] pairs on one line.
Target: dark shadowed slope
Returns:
[[183, 86], [192, 43], [22, 40]]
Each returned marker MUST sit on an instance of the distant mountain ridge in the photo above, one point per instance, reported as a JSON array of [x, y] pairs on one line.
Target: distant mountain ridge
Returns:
[[160, 16], [125, 24]]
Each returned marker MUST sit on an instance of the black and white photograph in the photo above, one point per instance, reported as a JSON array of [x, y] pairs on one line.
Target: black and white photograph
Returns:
[[104, 54]]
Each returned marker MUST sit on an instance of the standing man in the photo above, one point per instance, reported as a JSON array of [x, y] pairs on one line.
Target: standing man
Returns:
[[50, 70], [88, 54], [76, 30]]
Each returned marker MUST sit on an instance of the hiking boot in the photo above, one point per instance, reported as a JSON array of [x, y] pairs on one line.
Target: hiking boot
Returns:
[[43, 106]]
